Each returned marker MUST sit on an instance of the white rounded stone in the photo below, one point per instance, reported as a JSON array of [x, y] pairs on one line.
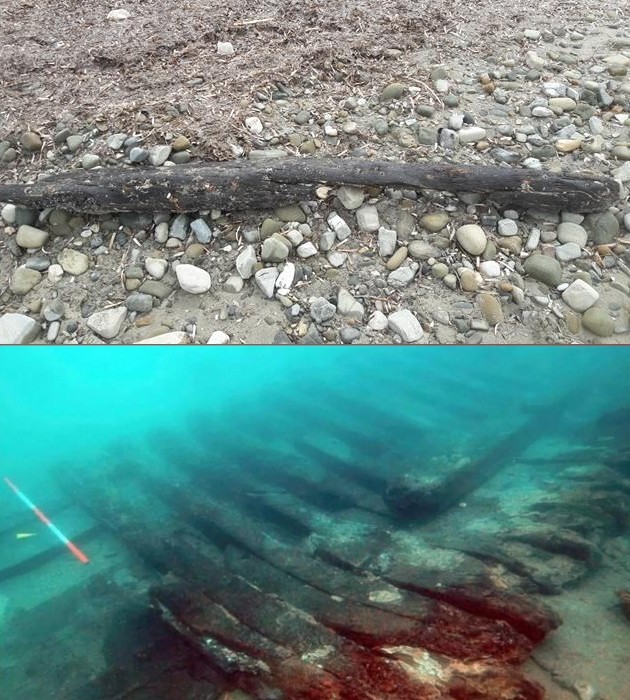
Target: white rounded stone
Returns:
[[156, 267], [192, 279], [219, 338]]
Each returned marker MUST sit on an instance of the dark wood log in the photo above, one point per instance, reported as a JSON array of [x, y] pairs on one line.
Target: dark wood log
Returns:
[[245, 185], [532, 620]]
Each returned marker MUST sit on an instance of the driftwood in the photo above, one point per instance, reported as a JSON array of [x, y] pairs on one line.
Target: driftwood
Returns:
[[244, 185]]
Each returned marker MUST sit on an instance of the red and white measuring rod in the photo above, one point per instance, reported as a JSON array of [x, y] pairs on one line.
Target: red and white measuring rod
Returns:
[[57, 532]]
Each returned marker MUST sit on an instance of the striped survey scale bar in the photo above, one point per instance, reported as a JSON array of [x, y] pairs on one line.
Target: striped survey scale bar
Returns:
[[56, 531]]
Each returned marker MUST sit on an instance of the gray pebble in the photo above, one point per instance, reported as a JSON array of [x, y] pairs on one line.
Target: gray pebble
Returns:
[[202, 231], [322, 310], [137, 154], [507, 227], [53, 331], [544, 269], [348, 335], [139, 302], [179, 227]]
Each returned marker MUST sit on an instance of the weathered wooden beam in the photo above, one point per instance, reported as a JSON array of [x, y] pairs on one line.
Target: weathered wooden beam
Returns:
[[242, 185], [425, 492]]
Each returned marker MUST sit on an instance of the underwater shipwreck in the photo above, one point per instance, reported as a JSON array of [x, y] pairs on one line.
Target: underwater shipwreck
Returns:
[[329, 561]]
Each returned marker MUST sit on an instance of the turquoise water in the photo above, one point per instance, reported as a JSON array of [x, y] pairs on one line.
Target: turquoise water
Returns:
[[272, 429], [70, 404]]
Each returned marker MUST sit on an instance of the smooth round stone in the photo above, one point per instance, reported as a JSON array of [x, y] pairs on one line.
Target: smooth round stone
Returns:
[[434, 222], [397, 258], [568, 251], [439, 270], [544, 269], [468, 279], [73, 262], [393, 91], [572, 233], [141, 303], [137, 154], [192, 279], [512, 244], [507, 227], [490, 268], [420, 250], [348, 335], [471, 134], [291, 213], [180, 143], [491, 309], [89, 161], [31, 141], [159, 154], [562, 104], [450, 280], [218, 338], [471, 238], [156, 267], [598, 322], [31, 237], [604, 227], [23, 280]]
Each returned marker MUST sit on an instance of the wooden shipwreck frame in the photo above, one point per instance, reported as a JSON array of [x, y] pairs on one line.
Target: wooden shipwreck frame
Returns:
[[305, 569]]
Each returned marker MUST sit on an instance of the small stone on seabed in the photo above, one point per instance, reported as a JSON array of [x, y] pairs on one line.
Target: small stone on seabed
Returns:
[[406, 325]]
